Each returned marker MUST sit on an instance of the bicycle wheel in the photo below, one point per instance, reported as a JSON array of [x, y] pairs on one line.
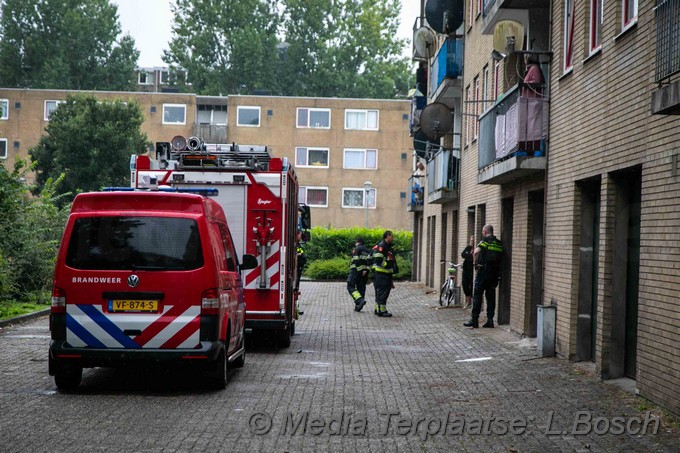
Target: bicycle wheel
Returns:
[[451, 296], [443, 293]]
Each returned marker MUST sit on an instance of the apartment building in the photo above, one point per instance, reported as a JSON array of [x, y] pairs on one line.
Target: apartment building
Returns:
[[570, 149], [348, 153]]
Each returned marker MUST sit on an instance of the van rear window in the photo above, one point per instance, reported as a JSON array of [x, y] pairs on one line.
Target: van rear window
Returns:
[[121, 243]]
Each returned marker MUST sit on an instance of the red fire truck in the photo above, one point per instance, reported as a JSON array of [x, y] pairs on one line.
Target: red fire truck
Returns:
[[259, 195]]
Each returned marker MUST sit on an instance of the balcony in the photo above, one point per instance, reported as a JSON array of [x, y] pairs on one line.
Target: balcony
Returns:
[[446, 71], [513, 136], [443, 176], [211, 133], [416, 189], [666, 99], [495, 11]]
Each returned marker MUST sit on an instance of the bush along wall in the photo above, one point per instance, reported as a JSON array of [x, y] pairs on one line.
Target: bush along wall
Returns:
[[329, 250]]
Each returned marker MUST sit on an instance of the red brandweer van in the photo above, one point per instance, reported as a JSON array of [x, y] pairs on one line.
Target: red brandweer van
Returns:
[[146, 277]]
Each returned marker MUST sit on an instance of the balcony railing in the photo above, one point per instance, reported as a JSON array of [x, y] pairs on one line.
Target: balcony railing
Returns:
[[448, 63], [516, 125], [667, 39], [416, 190], [211, 133], [443, 176]]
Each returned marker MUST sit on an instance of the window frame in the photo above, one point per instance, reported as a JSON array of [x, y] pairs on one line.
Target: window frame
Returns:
[[365, 151], [307, 150], [471, 14], [306, 197], [475, 123], [628, 20], [480, 7], [147, 77], [365, 127], [468, 134], [4, 112], [249, 107], [568, 35], [309, 110], [6, 151], [372, 190], [57, 102], [496, 79], [595, 27], [175, 123]]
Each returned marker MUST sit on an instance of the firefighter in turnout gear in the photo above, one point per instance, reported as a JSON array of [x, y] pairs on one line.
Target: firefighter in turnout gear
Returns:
[[487, 259], [358, 274], [384, 266]]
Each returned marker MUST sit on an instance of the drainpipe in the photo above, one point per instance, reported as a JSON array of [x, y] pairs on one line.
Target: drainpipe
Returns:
[[547, 155]]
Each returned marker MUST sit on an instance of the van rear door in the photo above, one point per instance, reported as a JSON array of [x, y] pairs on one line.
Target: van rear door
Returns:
[[124, 281]]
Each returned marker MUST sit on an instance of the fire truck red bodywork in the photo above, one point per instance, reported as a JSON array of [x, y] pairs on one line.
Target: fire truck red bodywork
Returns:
[[259, 196]]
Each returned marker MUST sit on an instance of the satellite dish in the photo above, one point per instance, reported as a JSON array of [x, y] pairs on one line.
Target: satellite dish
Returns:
[[423, 40], [179, 143], [508, 36], [420, 144], [444, 16], [436, 120]]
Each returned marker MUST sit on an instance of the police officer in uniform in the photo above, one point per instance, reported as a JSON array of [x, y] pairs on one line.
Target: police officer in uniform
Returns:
[[487, 262], [384, 265], [358, 274]]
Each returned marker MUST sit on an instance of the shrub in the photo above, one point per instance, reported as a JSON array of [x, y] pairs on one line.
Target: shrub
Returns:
[[332, 269]]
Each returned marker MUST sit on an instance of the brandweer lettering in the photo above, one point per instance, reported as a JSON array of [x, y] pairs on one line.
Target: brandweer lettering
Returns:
[[96, 280]]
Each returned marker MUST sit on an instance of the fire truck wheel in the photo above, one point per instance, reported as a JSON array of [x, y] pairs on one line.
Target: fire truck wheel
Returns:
[[284, 337], [218, 375]]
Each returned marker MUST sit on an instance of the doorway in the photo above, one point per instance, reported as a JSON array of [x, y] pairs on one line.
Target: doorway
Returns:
[[536, 214], [625, 272], [507, 216], [586, 325]]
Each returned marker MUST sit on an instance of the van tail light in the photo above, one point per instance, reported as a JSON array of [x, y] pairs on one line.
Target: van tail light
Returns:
[[58, 300], [210, 302]]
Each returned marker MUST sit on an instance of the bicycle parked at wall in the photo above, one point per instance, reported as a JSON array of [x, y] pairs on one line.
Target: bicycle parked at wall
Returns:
[[448, 293]]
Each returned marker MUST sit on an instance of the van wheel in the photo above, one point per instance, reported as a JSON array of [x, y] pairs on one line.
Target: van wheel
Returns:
[[292, 329], [283, 337], [68, 377], [218, 376], [238, 363]]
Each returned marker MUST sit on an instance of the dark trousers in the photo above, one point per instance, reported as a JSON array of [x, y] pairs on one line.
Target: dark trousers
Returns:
[[485, 283], [356, 283], [383, 286]]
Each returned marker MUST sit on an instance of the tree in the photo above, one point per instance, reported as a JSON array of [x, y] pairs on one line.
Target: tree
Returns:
[[342, 48], [90, 142], [68, 44], [345, 48], [224, 46]]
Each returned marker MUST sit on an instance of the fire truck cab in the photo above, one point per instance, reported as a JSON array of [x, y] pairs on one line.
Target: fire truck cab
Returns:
[[259, 195]]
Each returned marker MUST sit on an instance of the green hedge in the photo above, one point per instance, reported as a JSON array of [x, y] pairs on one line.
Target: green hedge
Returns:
[[328, 252]]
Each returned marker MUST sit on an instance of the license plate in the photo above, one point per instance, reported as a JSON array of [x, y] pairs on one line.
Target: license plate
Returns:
[[146, 306]]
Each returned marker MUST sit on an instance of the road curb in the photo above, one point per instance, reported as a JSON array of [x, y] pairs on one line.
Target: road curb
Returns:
[[22, 318]]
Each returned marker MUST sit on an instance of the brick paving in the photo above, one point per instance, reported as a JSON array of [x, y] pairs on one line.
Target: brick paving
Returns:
[[346, 370]]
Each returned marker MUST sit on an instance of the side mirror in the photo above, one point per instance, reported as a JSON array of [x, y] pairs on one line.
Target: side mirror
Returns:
[[249, 262]]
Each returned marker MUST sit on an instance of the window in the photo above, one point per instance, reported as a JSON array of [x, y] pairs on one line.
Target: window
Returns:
[[3, 148], [311, 157], [211, 114], [361, 159], [165, 76], [4, 109], [468, 130], [496, 79], [475, 119], [361, 120], [356, 198], [568, 34], [316, 118], [480, 6], [248, 116], [316, 197], [174, 114], [144, 78], [595, 24], [51, 106], [471, 13], [485, 87], [630, 11]]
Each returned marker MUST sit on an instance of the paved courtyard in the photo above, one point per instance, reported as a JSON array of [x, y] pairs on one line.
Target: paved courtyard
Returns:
[[418, 381]]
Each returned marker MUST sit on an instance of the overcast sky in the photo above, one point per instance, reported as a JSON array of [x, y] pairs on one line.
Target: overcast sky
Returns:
[[149, 22]]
